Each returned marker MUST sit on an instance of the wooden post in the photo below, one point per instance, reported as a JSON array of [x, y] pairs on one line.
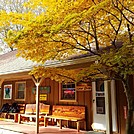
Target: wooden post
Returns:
[[37, 83], [60, 122], [45, 121], [108, 107], [78, 126], [37, 108], [1, 81]]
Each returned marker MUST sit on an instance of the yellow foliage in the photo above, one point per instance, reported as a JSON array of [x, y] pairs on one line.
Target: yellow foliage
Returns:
[[66, 27], [57, 74]]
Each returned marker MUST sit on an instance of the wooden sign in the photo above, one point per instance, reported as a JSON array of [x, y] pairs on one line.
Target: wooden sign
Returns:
[[43, 90], [83, 87]]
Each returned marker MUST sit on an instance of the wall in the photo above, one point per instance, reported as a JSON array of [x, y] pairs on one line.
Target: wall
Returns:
[[122, 103]]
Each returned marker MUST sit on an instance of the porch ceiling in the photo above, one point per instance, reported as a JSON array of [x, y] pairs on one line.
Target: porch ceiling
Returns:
[[15, 76]]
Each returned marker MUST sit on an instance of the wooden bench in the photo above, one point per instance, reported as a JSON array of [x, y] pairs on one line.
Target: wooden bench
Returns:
[[13, 116], [68, 113], [30, 112]]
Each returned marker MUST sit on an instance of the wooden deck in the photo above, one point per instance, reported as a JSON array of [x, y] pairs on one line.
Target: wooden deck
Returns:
[[7, 127]]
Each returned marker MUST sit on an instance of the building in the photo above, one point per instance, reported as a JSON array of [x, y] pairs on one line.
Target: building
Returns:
[[18, 86]]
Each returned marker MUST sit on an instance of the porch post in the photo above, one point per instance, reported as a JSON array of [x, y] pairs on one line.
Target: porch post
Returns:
[[108, 106], [37, 108], [1, 81], [37, 83]]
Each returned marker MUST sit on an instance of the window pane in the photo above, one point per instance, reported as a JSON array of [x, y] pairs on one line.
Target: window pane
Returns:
[[68, 91], [100, 97], [20, 95], [21, 86], [20, 90]]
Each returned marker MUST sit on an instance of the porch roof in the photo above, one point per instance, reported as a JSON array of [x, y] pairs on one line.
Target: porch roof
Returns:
[[9, 63]]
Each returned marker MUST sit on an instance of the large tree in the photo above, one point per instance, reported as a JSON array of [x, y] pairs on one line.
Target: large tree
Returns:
[[75, 27]]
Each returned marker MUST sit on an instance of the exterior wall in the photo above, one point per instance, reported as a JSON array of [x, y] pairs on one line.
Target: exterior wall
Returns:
[[84, 98], [29, 96], [121, 103]]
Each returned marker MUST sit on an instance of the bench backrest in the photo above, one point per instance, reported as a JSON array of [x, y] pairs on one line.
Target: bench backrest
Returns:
[[22, 108], [69, 111], [31, 109]]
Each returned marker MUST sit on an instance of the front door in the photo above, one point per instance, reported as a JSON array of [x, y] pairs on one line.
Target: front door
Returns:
[[99, 116], [100, 113]]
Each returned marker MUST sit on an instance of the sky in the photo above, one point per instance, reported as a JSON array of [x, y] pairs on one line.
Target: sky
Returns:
[[9, 5]]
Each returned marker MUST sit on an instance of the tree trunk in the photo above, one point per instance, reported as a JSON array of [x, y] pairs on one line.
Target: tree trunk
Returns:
[[130, 102]]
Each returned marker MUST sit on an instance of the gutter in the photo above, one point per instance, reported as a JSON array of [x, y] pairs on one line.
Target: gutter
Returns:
[[71, 62]]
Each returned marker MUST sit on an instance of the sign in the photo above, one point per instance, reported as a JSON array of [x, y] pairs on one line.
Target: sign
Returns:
[[43, 90], [7, 91], [83, 88], [43, 97]]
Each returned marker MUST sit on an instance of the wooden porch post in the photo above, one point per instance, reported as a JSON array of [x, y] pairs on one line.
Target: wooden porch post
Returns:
[[1, 81], [37, 83], [108, 107], [37, 107]]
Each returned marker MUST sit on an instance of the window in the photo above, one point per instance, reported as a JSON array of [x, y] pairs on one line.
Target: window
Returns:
[[20, 91], [68, 92], [100, 97]]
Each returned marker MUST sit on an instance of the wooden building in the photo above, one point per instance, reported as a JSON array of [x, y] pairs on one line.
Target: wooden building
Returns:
[[14, 75]]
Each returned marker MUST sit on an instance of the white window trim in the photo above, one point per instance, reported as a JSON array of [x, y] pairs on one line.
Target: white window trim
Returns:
[[24, 91]]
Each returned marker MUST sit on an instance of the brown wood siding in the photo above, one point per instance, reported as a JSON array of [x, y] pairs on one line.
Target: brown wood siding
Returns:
[[0, 96], [121, 103], [30, 97]]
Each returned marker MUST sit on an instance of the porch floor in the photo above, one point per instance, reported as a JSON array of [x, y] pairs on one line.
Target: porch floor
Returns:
[[7, 127]]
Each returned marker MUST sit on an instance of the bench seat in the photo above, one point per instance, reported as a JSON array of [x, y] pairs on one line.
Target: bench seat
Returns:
[[31, 115], [65, 118]]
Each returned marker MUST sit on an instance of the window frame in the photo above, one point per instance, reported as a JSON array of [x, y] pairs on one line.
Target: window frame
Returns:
[[60, 93], [16, 90]]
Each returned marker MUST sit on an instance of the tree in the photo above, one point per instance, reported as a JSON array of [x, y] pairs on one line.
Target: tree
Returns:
[[94, 27], [6, 7]]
